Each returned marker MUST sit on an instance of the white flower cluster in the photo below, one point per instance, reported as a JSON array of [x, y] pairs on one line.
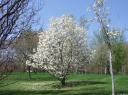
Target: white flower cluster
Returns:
[[92, 54], [98, 3], [113, 34], [60, 45]]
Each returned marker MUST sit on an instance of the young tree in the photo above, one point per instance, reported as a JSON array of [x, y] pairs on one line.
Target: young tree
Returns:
[[61, 46], [100, 13]]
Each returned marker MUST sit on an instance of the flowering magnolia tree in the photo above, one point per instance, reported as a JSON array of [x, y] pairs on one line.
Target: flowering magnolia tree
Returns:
[[62, 45]]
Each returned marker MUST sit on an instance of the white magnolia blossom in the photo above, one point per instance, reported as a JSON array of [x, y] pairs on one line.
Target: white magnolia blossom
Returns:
[[29, 62], [100, 2], [61, 45], [113, 35], [92, 54]]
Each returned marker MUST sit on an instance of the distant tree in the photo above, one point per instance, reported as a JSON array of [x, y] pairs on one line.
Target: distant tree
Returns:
[[61, 46], [101, 52], [7, 61], [24, 46], [119, 51]]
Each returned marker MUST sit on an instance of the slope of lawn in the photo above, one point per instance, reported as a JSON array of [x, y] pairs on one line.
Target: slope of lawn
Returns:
[[76, 84]]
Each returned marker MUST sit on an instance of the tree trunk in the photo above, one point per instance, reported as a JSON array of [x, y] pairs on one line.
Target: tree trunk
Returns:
[[24, 67], [123, 69], [29, 73], [63, 81], [105, 70], [111, 71]]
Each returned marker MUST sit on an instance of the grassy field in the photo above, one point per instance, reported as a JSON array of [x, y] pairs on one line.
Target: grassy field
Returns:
[[76, 84]]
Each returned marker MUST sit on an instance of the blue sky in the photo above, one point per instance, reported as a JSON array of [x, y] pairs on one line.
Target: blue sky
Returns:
[[55, 8]]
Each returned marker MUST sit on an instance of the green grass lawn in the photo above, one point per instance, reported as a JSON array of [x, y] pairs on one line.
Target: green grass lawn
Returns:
[[76, 84]]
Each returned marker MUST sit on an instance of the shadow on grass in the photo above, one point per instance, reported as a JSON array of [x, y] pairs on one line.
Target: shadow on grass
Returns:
[[82, 91], [45, 92], [78, 83], [7, 84], [58, 92]]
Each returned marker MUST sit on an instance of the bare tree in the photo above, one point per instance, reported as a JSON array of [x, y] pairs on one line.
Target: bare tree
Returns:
[[7, 58], [15, 17]]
